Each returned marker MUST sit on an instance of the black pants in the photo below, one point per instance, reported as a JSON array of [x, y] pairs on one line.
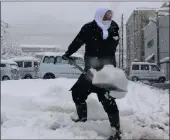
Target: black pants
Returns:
[[82, 88]]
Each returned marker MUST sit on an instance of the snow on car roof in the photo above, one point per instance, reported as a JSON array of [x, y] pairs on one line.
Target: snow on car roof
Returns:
[[23, 58], [8, 62], [60, 54]]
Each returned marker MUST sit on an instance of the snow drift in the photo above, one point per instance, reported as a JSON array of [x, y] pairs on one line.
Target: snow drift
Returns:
[[42, 109]]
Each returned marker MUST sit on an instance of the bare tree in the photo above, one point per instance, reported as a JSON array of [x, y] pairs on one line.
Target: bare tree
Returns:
[[9, 46]]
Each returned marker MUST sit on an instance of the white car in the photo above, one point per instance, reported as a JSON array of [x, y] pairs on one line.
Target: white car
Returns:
[[40, 55], [29, 66], [9, 70], [146, 71], [53, 66]]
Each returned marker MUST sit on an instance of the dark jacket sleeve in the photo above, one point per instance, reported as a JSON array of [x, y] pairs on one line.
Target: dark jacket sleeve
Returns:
[[114, 31], [78, 41]]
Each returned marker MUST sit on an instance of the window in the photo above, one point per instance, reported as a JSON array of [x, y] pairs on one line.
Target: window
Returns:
[[46, 59], [135, 67], [20, 64], [58, 59], [2, 65], [51, 59], [27, 64], [144, 67], [155, 68], [150, 43], [35, 64]]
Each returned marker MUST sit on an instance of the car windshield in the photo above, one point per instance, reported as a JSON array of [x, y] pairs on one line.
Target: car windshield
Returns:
[[59, 60], [14, 66]]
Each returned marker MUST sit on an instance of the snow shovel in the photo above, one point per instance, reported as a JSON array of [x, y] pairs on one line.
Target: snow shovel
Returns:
[[89, 74]]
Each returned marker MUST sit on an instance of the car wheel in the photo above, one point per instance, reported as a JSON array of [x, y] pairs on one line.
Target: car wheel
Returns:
[[49, 76], [135, 78], [28, 77], [162, 79], [5, 78]]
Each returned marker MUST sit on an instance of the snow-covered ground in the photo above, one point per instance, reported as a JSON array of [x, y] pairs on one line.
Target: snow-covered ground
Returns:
[[41, 109]]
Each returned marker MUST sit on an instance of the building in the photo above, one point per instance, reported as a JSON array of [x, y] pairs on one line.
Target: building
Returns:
[[135, 35], [150, 35], [27, 48], [165, 63]]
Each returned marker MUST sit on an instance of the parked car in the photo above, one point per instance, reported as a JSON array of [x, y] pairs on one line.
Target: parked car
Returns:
[[9, 70], [53, 66], [40, 55], [29, 67], [146, 71]]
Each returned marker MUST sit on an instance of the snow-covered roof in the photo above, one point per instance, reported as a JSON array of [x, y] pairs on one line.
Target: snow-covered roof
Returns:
[[143, 63], [163, 9], [8, 62], [163, 13], [24, 58], [38, 46], [149, 57], [60, 54], [164, 60]]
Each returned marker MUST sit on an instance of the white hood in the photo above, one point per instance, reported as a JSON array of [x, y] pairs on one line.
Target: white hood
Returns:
[[104, 25]]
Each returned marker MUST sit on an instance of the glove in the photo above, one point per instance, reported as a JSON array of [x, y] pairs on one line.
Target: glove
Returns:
[[68, 58], [65, 57]]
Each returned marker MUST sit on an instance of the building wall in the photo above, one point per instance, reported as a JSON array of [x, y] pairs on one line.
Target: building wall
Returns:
[[135, 36], [164, 36], [150, 33]]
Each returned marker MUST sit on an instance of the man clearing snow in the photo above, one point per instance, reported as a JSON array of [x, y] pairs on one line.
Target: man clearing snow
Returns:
[[101, 37]]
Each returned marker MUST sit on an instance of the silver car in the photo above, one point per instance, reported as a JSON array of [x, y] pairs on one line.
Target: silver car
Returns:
[[9, 70], [53, 66], [146, 71], [29, 67]]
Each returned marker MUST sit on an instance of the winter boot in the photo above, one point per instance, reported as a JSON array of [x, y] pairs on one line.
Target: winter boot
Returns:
[[81, 112], [115, 125]]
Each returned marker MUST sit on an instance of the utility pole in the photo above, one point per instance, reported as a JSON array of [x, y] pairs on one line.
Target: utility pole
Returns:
[[4, 25], [157, 31], [119, 52], [122, 40]]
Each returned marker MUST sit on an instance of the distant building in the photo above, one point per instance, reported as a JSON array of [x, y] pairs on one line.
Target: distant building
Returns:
[[150, 35], [27, 48], [135, 35]]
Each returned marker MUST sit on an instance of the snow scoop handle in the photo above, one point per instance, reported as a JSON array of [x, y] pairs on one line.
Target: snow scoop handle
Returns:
[[89, 74], [71, 61]]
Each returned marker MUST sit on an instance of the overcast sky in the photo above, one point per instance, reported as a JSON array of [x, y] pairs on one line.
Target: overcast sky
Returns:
[[61, 17], [20, 12]]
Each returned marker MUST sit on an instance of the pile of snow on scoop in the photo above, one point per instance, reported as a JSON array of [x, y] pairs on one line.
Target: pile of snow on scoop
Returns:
[[113, 76]]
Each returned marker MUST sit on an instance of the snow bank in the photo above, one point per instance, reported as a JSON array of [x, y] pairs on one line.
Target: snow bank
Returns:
[[42, 109]]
